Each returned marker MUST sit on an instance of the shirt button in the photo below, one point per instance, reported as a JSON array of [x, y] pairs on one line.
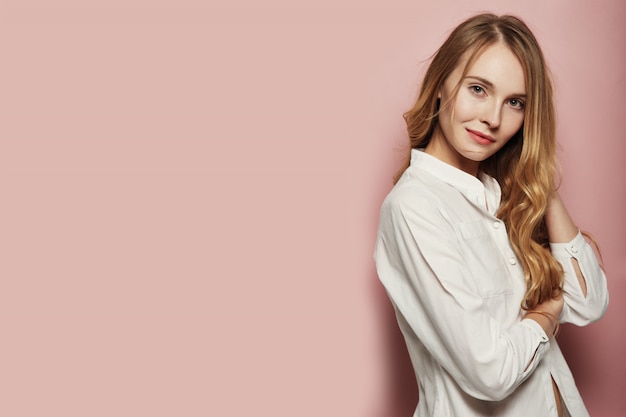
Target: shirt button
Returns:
[[496, 224], [574, 249], [512, 260]]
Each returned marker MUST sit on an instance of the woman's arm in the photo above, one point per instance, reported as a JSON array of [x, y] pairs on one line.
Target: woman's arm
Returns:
[[561, 229], [585, 290]]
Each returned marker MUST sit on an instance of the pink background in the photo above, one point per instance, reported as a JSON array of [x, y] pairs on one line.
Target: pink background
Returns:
[[189, 194]]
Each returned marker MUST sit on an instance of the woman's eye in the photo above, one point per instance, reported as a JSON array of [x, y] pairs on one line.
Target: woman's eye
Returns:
[[476, 89], [518, 104]]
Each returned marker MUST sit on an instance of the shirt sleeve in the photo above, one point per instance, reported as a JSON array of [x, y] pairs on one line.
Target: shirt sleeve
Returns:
[[579, 309], [420, 263]]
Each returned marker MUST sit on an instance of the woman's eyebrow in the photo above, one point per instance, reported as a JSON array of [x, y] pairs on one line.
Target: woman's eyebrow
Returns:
[[481, 80], [489, 84]]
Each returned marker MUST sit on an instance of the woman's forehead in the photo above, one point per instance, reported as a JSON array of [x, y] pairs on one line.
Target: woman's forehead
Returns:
[[496, 64]]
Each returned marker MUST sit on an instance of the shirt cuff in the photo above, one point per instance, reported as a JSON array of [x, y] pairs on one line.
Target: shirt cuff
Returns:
[[537, 329], [539, 345], [570, 249]]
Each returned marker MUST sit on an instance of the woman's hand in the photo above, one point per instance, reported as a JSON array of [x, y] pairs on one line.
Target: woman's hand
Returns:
[[547, 314]]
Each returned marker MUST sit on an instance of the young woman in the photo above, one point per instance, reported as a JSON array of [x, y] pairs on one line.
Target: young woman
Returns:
[[475, 248]]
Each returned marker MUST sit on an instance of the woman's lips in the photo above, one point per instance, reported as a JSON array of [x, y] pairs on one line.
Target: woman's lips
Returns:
[[480, 138]]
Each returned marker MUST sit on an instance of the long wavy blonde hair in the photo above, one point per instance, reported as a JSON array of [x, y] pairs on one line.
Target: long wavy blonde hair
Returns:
[[525, 167]]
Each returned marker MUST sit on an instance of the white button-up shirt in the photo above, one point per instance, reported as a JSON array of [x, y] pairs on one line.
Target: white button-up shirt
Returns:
[[457, 286]]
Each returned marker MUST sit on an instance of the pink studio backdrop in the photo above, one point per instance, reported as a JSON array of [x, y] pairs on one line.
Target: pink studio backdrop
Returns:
[[189, 194]]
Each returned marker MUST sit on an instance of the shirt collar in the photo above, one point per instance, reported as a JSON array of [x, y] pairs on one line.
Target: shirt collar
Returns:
[[483, 191]]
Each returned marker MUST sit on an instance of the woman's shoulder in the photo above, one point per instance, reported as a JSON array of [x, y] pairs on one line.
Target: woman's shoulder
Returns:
[[422, 194], [414, 188]]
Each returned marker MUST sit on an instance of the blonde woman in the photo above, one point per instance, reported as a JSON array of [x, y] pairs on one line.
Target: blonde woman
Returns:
[[476, 250]]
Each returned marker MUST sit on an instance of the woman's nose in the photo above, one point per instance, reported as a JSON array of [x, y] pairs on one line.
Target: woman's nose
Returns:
[[491, 115]]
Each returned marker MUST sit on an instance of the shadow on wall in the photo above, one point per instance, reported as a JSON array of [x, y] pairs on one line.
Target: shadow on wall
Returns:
[[401, 394]]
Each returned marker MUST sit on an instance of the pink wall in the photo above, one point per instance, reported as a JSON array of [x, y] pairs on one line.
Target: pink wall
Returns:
[[189, 193]]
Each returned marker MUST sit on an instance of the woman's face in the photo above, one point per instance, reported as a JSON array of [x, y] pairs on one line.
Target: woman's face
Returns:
[[487, 111]]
